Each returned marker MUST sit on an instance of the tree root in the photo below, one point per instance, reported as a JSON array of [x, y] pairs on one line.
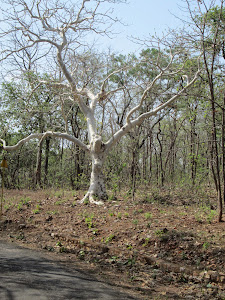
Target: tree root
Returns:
[[91, 199]]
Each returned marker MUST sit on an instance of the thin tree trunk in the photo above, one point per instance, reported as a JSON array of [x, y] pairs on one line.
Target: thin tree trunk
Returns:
[[38, 166], [16, 170], [223, 146], [150, 156], [47, 147], [133, 174], [160, 157], [217, 165]]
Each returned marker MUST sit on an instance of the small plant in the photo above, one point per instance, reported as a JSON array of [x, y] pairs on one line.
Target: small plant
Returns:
[[159, 232], [95, 231], [148, 216], [89, 221], [81, 255], [146, 242], [205, 213], [163, 234], [206, 245], [113, 259], [21, 236], [182, 213], [184, 256], [59, 194], [198, 217], [210, 215], [135, 222], [74, 194], [61, 247], [7, 207], [86, 202], [132, 278], [148, 199], [149, 225], [25, 201], [58, 202], [131, 261], [129, 247], [37, 209], [20, 206], [109, 238], [119, 215]]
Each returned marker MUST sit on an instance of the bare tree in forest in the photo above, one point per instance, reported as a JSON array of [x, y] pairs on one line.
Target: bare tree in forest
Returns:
[[61, 29]]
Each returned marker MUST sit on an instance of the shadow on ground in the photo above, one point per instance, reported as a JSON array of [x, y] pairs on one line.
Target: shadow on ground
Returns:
[[24, 274]]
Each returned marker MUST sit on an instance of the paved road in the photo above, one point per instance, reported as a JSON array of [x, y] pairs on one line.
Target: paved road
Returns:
[[26, 275]]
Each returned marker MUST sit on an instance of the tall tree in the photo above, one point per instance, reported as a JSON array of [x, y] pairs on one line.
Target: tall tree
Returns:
[[206, 34], [61, 29]]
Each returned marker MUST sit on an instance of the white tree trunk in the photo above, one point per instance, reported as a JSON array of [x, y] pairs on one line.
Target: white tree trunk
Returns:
[[97, 192]]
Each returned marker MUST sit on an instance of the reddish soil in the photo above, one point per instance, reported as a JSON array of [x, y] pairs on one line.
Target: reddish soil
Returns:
[[161, 246]]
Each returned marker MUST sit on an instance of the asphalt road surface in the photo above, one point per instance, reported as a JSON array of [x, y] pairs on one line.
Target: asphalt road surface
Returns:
[[26, 275]]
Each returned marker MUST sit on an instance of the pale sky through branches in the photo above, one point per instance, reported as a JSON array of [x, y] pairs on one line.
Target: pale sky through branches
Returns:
[[144, 17]]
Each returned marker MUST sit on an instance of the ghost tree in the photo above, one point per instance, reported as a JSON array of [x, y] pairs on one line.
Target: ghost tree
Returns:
[[61, 30]]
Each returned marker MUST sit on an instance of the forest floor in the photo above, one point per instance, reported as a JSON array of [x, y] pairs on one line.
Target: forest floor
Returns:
[[164, 245]]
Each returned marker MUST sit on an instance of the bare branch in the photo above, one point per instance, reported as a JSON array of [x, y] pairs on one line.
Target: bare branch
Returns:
[[139, 120], [150, 86], [42, 136], [102, 95]]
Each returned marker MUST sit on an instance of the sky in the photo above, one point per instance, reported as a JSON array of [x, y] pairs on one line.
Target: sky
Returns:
[[147, 17], [144, 17]]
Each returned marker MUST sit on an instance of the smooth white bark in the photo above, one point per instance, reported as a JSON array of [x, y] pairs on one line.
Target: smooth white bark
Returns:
[[41, 136], [97, 192]]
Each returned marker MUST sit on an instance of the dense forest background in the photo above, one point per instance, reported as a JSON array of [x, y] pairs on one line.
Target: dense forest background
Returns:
[[183, 146]]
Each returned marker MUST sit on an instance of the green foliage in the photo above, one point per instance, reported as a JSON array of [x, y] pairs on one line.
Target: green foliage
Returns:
[[119, 215], [59, 194], [148, 216], [135, 222], [37, 209], [184, 132], [89, 221], [82, 255], [61, 248], [24, 201], [216, 18], [206, 245], [205, 214], [109, 238], [146, 242]]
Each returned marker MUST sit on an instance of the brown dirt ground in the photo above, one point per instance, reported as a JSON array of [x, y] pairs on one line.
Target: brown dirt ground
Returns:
[[165, 245]]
